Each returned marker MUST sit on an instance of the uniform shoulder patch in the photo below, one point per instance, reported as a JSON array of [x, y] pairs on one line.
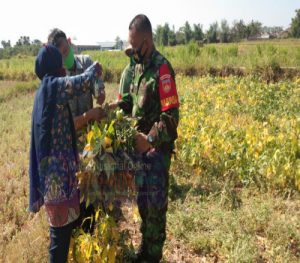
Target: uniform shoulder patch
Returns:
[[167, 89]]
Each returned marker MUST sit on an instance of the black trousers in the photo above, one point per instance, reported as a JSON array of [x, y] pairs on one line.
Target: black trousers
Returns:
[[60, 242]]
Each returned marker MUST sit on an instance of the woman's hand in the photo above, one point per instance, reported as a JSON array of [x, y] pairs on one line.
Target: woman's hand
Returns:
[[101, 98], [98, 68]]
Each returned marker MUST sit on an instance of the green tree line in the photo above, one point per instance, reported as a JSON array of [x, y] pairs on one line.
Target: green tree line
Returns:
[[222, 32], [24, 46]]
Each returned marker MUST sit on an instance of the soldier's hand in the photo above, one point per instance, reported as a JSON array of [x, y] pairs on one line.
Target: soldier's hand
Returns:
[[101, 98], [97, 114], [141, 143]]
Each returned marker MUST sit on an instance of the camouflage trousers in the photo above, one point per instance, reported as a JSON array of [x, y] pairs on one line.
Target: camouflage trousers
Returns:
[[152, 183]]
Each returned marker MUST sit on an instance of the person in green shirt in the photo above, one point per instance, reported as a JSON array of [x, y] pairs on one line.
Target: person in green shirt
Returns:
[[82, 108]]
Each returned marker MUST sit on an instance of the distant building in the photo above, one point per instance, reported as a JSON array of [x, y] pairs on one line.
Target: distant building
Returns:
[[80, 47], [263, 36], [266, 36], [107, 45], [101, 46]]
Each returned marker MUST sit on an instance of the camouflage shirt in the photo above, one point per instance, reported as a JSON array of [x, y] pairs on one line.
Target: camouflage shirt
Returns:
[[126, 79], [153, 100]]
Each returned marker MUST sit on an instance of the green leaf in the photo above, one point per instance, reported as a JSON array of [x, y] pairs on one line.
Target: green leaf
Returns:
[[111, 129]]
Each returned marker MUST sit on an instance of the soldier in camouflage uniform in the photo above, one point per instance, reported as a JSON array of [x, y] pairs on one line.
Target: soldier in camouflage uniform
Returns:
[[153, 100]]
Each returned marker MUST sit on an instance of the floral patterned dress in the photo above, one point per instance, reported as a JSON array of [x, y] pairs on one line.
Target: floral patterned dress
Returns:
[[58, 170]]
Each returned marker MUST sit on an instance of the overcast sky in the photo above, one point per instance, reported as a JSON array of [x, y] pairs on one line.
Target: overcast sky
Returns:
[[91, 21]]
